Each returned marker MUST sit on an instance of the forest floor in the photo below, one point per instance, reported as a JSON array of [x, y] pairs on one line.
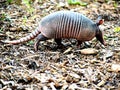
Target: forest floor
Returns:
[[51, 68]]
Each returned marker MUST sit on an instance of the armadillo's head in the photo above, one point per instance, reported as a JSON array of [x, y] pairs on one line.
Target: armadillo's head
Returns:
[[99, 33]]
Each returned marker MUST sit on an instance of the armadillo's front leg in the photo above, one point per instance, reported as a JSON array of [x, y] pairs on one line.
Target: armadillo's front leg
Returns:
[[39, 38]]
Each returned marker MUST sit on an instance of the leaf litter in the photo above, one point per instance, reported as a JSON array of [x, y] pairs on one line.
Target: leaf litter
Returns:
[[68, 68]]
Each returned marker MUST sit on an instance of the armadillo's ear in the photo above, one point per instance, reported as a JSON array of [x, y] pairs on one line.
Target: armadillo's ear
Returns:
[[99, 20]]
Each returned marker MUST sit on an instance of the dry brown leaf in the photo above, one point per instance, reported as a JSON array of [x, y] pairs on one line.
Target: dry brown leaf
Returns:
[[65, 86], [71, 55], [108, 54], [45, 88], [8, 67], [74, 75], [94, 61], [30, 56], [69, 78], [73, 86], [52, 85], [14, 29], [2, 35], [117, 49]]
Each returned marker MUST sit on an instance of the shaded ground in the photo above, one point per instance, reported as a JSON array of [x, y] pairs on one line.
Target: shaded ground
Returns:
[[21, 68]]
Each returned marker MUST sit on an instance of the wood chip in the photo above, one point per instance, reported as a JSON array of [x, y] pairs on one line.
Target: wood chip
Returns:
[[89, 51], [67, 51], [101, 83], [115, 67]]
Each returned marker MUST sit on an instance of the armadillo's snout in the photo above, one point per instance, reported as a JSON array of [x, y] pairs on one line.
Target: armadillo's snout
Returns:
[[104, 43], [100, 38]]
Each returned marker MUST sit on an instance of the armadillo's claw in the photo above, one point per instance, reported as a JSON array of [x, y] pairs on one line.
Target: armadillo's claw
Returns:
[[104, 43]]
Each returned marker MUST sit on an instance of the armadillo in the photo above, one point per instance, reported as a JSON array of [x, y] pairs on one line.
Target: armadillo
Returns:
[[64, 24]]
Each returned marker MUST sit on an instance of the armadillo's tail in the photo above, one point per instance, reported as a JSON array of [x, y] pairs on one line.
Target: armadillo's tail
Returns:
[[25, 39]]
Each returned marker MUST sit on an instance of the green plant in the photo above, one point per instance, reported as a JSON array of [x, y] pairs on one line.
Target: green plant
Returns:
[[9, 1], [30, 42], [24, 20], [75, 2], [115, 4], [28, 3], [1, 29], [117, 29], [2, 16]]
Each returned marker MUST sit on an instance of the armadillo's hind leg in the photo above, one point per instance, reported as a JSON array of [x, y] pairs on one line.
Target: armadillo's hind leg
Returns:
[[58, 41], [39, 38], [79, 43]]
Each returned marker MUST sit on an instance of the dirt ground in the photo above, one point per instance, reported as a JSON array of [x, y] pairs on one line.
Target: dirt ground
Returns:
[[52, 68]]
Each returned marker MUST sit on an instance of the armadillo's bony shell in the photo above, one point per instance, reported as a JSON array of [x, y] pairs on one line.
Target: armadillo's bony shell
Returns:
[[67, 24]]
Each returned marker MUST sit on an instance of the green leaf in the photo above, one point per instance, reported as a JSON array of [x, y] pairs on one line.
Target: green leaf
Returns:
[[1, 29], [117, 29], [30, 42], [2, 17], [25, 19], [9, 1], [115, 4], [105, 37], [26, 2], [76, 2]]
